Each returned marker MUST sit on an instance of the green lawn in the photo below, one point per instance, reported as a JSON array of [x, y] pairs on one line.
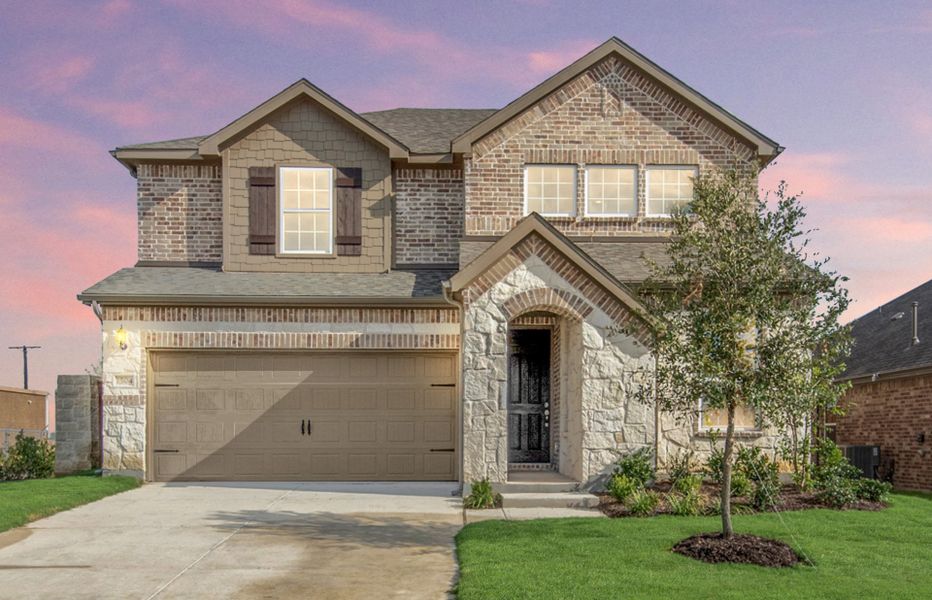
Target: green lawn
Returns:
[[856, 554], [24, 501]]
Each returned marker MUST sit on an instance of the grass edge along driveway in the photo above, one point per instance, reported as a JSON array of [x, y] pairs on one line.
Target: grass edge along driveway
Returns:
[[23, 502], [857, 554]]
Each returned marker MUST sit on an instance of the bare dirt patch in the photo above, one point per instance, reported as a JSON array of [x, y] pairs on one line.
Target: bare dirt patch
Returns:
[[739, 548]]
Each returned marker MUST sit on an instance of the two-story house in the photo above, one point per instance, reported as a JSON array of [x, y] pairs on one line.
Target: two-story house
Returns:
[[409, 294]]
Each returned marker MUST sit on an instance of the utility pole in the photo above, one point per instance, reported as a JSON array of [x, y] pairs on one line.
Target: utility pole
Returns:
[[25, 350]]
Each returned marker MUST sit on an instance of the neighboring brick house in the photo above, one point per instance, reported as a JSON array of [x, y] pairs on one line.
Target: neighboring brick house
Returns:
[[408, 294], [890, 402]]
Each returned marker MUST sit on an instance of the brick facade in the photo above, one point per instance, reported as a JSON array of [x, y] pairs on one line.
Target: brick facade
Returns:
[[893, 414], [304, 134], [180, 213], [428, 215], [611, 114]]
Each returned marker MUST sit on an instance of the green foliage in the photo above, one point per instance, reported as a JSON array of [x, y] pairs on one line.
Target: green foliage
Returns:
[[714, 470], [763, 475], [27, 458], [747, 315], [643, 503], [837, 491], [685, 500], [798, 453], [622, 487], [688, 484], [873, 490], [681, 465], [637, 466], [481, 495], [831, 463]]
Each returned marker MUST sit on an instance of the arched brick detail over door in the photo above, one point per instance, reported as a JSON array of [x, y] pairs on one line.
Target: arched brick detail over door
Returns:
[[559, 302]]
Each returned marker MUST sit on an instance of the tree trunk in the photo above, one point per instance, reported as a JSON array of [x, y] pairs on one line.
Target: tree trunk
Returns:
[[727, 530]]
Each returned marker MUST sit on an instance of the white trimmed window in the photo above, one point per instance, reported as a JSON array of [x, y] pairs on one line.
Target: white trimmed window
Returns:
[[550, 190], [669, 189], [611, 191], [306, 205]]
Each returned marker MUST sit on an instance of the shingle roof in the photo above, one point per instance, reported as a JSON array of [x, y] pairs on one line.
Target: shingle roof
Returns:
[[190, 284], [189, 143], [427, 130], [883, 337], [422, 130]]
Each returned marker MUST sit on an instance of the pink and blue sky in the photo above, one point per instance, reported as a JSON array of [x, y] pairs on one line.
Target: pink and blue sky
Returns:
[[846, 86]]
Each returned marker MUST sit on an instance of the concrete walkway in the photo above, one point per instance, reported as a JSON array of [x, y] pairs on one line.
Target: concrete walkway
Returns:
[[260, 540]]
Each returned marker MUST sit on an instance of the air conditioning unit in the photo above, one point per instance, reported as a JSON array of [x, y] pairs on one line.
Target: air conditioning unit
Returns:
[[866, 458]]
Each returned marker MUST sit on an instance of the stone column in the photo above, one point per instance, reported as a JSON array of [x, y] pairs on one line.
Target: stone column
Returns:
[[76, 422]]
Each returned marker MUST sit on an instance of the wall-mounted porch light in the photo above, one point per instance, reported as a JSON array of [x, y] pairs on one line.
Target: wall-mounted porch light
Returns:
[[120, 336]]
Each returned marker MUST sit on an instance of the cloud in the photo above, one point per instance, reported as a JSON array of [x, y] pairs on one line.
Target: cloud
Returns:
[[60, 76]]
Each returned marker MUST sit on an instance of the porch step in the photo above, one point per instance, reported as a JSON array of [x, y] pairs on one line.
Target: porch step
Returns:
[[549, 500], [536, 482]]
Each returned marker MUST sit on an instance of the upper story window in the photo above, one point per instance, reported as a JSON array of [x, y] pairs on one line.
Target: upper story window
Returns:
[[669, 189], [611, 191], [306, 205], [550, 190]]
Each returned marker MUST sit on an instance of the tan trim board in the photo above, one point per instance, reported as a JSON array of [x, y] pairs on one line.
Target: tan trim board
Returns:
[[764, 145], [888, 375]]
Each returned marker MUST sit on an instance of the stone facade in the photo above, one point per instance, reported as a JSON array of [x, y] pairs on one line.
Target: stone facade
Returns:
[[77, 423], [180, 213], [304, 134], [897, 416], [603, 363], [611, 114], [428, 215], [150, 328]]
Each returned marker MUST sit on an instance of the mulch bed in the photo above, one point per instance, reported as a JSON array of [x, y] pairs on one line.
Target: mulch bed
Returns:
[[791, 498], [739, 548]]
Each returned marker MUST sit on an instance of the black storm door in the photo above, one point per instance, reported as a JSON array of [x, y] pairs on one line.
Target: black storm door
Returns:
[[529, 396]]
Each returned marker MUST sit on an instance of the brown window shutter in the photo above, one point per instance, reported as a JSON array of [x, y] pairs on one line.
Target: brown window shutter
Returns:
[[262, 210], [349, 211]]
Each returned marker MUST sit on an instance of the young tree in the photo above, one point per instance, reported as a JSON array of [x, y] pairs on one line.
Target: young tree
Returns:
[[747, 315]]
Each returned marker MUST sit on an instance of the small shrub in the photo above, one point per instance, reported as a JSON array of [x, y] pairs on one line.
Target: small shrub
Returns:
[[681, 466], [713, 469], [643, 503], [685, 505], [831, 463], [837, 491], [637, 466], [689, 484], [763, 476], [482, 496], [873, 490], [622, 487], [27, 458]]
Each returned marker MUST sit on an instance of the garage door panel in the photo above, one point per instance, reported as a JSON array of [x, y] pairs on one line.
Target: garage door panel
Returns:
[[373, 416]]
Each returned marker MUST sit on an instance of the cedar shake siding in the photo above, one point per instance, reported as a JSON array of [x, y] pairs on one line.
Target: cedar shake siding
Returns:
[[896, 415], [180, 212], [304, 134], [428, 216], [609, 115]]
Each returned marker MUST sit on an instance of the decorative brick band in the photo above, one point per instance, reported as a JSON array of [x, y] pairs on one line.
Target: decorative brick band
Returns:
[[280, 314], [168, 171], [531, 320], [300, 341], [559, 302]]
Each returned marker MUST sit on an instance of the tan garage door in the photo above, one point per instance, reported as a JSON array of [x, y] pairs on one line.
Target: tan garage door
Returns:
[[328, 416]]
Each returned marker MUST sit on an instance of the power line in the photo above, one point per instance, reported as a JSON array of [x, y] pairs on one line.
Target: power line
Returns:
[[25, 350]]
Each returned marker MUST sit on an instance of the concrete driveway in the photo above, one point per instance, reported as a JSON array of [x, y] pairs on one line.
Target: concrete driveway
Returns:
[[242, 540]]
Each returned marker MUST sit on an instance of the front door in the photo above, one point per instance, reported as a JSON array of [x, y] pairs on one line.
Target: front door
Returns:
[[529, 396]]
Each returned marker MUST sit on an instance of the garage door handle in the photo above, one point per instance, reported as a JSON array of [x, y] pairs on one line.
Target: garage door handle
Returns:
[[443, 385], [302, 426], [309, 427], [442, 450], [164, 451]]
